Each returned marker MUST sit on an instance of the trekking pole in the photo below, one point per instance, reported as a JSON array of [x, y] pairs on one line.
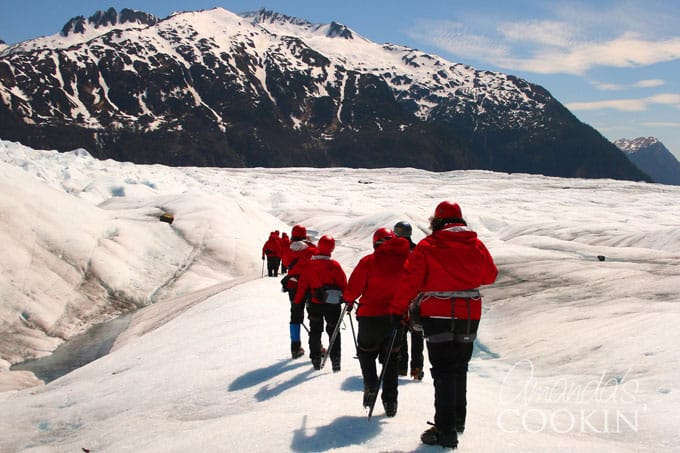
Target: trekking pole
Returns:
[[303, 325], [354, 336], [333, 336], [382, 372], [263, 267]]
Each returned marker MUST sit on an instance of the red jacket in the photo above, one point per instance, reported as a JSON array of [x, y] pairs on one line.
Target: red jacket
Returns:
[[296, 257], [451, 259], [376, 276], [272, 247], [320, 271]]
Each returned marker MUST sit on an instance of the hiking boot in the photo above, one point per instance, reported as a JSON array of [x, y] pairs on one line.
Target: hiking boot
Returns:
[[316, 363], [390, 408], [434, 436], [296, 350], [369, 396], [336, 365], [459, 426], [417, 374], [403, 372]]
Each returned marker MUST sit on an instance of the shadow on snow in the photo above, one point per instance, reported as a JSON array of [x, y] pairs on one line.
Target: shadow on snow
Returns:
[[261, 375], [341, 432], [270, 391]]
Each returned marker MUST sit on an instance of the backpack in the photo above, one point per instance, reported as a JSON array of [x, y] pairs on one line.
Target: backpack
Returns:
[[329, 294]]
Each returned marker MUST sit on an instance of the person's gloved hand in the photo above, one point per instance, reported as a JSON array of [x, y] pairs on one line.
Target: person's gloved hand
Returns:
[[350, 305]]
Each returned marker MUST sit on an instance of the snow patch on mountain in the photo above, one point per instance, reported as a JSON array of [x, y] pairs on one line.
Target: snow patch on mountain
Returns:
[[635, 144]]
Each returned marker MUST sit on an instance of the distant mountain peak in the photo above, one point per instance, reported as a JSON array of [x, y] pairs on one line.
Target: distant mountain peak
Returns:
[[635, 144], [338, 30], [652, 157], [265, 17], [108, 18]]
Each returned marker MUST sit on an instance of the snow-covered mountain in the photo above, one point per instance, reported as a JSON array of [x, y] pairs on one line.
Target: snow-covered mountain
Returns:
[[652, 157], [264, 89]]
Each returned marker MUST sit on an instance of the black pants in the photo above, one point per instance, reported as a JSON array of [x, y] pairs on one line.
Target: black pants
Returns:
[[375, 333], [297, 312], [317, 314], [416, 351], [273, 263], [449, 361]]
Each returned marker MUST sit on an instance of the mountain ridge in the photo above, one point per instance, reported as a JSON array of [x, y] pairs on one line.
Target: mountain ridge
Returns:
[[215, 88], [651, 156]]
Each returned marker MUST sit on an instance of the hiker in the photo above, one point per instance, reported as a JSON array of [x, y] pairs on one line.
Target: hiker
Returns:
[[373, 281], [321, 284], [440, 285], [272, 250], [285, 243], [296, 257], [404, 230]]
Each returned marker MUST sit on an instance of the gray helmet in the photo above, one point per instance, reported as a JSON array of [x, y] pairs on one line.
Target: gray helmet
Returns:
[[402, 229]]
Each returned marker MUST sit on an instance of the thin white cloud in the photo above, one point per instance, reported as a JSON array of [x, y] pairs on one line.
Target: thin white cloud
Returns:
[[621, 53], [661, 124], [609, 86], [455, 38], [648, 83], [667, 99], [543, 32], [572, 39], [627, 105]]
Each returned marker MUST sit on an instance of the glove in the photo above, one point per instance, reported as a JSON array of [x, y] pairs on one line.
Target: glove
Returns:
[[396, 321], [350, 305]]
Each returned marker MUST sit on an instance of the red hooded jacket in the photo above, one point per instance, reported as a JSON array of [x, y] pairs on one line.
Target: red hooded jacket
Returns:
[[376, 276], [272, 247], [450, 259], [320, 271]]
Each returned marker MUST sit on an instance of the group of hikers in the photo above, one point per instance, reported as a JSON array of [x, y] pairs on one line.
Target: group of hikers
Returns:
[[273, 250], [430, 290]]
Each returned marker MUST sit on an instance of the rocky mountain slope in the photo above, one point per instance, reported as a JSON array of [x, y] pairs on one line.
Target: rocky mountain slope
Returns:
[[652, 157], [213, 88]]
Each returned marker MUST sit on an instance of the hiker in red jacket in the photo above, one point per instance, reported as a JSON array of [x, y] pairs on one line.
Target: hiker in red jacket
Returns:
[[374, 280], [441, 277], [295, 258], [272, 250], [321, 283], [285, 243]]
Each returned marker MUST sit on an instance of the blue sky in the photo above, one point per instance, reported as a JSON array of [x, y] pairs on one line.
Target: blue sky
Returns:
[[614, 64]]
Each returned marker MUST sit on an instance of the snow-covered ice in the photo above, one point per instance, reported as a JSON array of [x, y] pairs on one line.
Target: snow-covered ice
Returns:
[[574, 353]]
